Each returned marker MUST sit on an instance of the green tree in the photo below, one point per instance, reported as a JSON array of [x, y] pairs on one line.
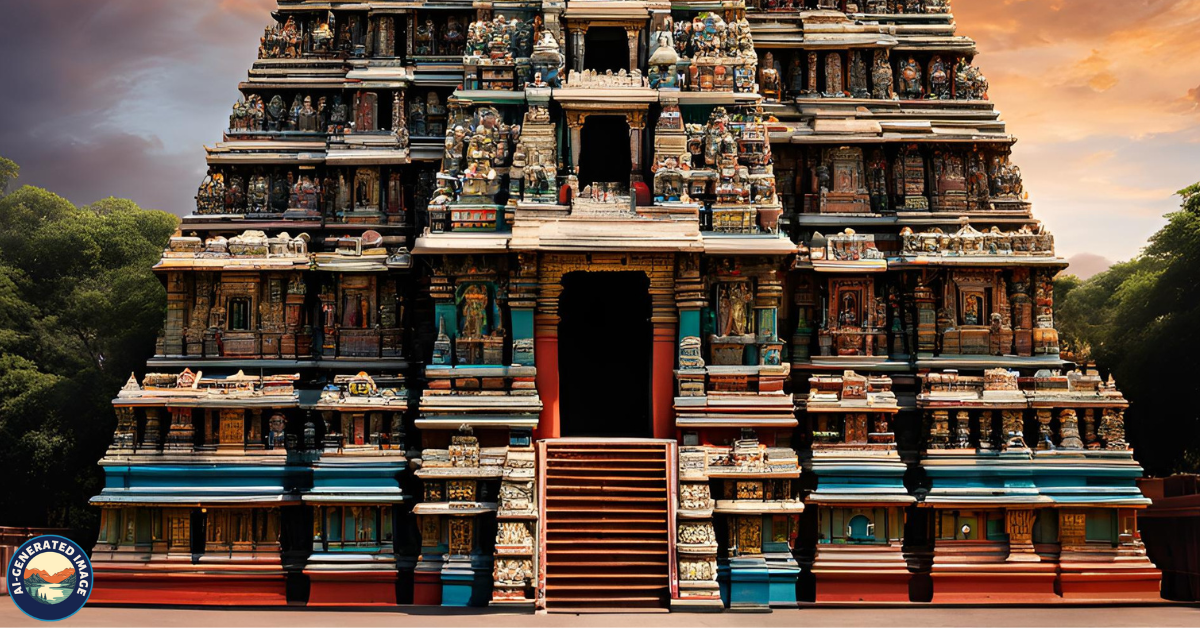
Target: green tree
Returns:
[[1140, 321], [8, 171], [79, 311]]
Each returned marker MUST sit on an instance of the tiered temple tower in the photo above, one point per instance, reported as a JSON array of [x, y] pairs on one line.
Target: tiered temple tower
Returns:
[[615, 303]]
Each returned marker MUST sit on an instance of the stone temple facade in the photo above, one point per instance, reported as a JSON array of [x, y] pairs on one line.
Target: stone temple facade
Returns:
[[615, 304]]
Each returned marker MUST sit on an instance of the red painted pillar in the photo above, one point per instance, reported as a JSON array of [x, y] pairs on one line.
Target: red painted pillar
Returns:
[[662, 384], [545, 357]]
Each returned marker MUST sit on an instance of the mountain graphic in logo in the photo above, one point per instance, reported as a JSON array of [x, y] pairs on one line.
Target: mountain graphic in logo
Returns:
[[46, 578]]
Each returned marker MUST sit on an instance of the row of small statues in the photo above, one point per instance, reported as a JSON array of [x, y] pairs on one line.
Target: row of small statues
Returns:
[[445, 39], [473, 150], [291, 40], [277, 194], [501, 39], [707, 35], [856, 6], [960, 81], [969, 241], [961, 180], [251, 114], [1108, 435]]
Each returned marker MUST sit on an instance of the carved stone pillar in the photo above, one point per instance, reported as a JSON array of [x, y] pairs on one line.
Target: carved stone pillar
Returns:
[[174, 332], [1045, 436], [632, 33], [1019, 526], [986, 430], [578, 33], [545, 346], [813, 63], [962, 429], [939, 431], [126, 432], [637, 127], [1013, 425], [152, 436], [665, 318], [575, 120], [1089, 429]]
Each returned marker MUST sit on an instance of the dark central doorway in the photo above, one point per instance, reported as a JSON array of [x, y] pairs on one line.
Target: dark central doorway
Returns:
[[605, 155], [605, 341], [607, 49]]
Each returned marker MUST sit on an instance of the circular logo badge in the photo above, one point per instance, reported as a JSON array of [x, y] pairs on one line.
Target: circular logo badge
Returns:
[[49, 578]]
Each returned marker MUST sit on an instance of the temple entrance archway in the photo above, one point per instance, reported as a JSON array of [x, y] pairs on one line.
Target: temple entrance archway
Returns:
[[606, 157], [605, 354]]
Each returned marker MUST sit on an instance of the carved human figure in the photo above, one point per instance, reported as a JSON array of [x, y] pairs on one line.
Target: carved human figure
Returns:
[[910, 79], [734, 309], [858, 75], [939, 79], [293, 123], [276, 114], [835, 86], [881, 77], [308, 119], [475, 301], [768, 78]]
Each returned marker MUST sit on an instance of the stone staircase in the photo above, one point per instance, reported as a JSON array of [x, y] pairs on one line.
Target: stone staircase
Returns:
[[606, 524]]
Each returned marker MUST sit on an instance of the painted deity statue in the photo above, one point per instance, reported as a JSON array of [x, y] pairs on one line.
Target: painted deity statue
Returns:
[[475, 301], [736, 302], [769, 78], [939, 79], [910, 80]]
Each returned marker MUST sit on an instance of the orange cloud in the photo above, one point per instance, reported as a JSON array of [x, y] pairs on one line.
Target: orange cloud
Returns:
[[1103, 97]]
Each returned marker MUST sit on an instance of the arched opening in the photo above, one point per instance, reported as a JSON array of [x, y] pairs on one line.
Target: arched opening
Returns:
[[604, 355], [605, 155], [860, 529], [606, 48]]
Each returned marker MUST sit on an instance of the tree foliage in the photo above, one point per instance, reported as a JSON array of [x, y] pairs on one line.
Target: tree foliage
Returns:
[[1140, 321], [8, 172], [79, 310]]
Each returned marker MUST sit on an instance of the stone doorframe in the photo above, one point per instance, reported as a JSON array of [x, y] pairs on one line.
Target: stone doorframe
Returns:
[[664, 318], [635, 116], [579, 28]]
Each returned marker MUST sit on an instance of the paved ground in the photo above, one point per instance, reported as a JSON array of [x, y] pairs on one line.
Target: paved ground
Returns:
[[1056, 617]]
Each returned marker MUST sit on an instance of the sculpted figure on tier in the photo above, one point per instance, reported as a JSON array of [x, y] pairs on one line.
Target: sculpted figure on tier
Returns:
[[910, 80]]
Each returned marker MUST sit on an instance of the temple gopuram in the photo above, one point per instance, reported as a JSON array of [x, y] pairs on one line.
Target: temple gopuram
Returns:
[[615, 304]]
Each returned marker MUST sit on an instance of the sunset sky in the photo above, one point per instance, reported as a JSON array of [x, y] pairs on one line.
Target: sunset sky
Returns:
[[117, 97]]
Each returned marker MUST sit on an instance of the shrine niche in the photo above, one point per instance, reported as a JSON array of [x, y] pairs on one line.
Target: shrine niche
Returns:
[[468, 315], [735, 322], [910, 178], [950, 182], [856, 322], [360, 317], [842, 180], [439, 35], [479, 340]]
